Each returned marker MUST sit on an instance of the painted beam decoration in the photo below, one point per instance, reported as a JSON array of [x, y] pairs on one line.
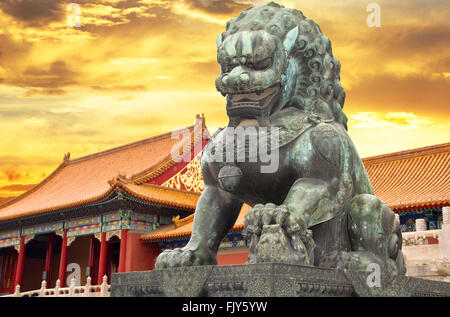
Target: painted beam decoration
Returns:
[[146, 222], [432, 216], [83, 226], [112, 223], [9, 238], [235, 240], [45, 228]]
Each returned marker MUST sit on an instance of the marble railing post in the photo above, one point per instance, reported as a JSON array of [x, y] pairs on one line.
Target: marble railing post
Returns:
[[445, 234], [421, 225]]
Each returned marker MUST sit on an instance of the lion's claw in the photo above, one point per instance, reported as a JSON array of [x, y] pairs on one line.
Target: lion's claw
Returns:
[[183, 257], [286, 234]]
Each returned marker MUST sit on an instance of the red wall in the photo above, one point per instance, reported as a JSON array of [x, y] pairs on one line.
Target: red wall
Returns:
[[140, 256], [230, 259], [232, 256]]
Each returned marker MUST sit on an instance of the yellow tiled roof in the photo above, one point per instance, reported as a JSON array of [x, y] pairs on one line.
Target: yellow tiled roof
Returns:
[[88, 179], [413, 178], [185, 229], [162, 195]]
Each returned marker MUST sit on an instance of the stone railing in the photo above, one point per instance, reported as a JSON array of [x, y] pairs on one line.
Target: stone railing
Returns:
[[426, 252], [88, 290], [420, 237]]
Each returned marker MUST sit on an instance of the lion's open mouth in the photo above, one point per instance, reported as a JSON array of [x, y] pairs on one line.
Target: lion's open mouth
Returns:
[[252, 104]]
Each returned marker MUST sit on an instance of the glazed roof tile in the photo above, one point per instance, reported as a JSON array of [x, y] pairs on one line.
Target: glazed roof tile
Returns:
[[88, 179], [412, 179], [183, 227], [162, 195]]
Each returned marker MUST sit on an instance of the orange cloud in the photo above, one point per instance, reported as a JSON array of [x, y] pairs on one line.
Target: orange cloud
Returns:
[[12, 175], [17, 187]]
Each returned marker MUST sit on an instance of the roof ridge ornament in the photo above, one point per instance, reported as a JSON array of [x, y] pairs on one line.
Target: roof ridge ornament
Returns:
[[66, 158]]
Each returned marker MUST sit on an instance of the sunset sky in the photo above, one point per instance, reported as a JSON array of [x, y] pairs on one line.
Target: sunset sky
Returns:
[[134, 69]]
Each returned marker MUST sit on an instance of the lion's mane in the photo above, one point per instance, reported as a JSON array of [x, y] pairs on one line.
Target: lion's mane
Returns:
[[318, 90]]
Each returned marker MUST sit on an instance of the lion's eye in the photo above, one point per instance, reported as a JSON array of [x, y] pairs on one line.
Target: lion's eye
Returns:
[[226, 68], [263, 64]]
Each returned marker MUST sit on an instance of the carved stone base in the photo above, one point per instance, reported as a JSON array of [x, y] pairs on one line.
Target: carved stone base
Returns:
[[266, 280]]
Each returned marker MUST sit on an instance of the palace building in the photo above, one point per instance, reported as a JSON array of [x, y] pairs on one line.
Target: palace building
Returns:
[[116, 210]]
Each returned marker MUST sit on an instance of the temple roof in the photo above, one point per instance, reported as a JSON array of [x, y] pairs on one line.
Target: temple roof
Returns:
[[412, 179], [408, 179], [162, 195], [183, 227], [91, 178]]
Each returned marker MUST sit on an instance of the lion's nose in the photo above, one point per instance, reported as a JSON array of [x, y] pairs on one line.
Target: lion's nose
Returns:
[[244, 78], [238, 79]]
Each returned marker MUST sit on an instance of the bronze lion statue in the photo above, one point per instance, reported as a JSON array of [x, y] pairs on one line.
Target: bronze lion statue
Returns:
[[314, 204]]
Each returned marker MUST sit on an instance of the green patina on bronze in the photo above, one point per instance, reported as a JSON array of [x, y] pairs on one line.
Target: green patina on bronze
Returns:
[[318, 207]]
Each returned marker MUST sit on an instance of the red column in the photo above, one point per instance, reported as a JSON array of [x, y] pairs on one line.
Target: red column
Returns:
[[10, 270], [63, 260], [20, 262], [123, 250], [91, 256], [103, 259], [49, 257], [14, 270]]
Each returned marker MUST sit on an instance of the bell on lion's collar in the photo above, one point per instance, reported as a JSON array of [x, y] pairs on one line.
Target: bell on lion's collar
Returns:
[[230, 177]]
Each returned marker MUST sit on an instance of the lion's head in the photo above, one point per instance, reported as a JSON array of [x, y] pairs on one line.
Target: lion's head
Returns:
[[272, 57]]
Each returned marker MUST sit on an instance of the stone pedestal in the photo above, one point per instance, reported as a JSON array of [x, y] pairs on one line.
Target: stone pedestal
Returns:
[[267, 280]]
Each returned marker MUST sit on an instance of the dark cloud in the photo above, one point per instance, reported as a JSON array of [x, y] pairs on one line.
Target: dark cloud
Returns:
[[50, 79], [222, 7], [427, 96], [402, 41], [34, 12], [424, 37], [12, 50]]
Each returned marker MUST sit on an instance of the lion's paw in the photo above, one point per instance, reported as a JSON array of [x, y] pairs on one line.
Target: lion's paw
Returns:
[[276, 235], [183, 257]]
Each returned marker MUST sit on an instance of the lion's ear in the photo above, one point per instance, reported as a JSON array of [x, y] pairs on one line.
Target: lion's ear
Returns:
[[219, 41], [289, 40]]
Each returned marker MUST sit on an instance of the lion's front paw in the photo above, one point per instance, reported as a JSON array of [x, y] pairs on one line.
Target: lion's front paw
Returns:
[[183, 257], [277, 236]]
